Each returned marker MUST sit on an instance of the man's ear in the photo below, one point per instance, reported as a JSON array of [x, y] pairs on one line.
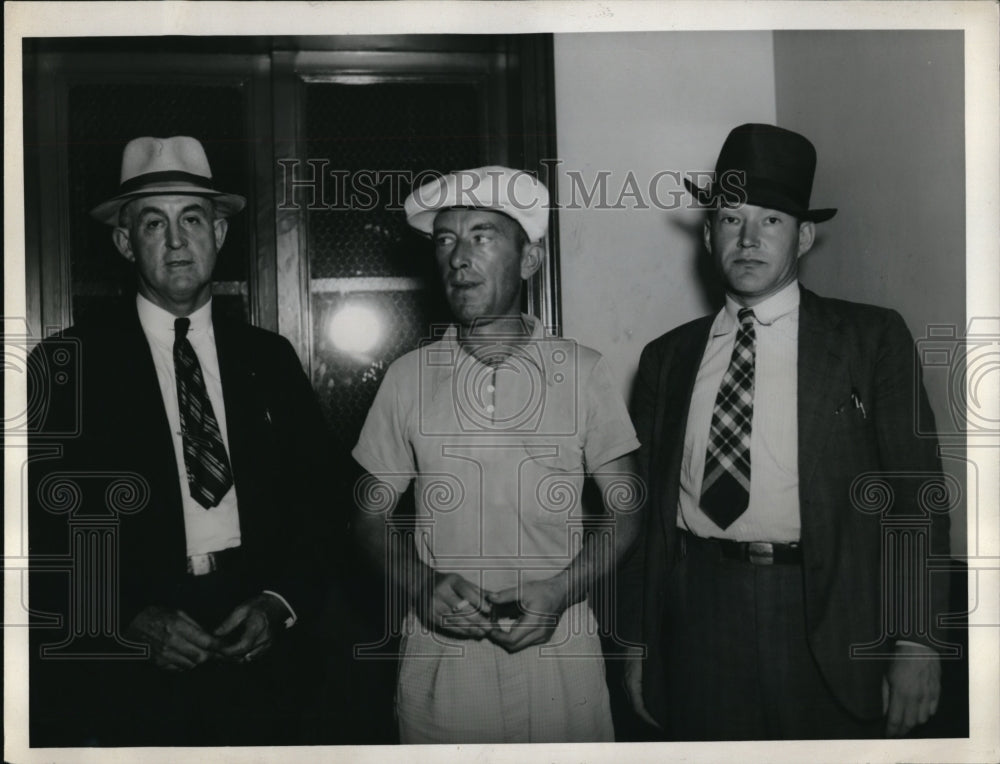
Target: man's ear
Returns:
[[807, 235], [531, 259], [123, 242], [706, 233], [221, 226]]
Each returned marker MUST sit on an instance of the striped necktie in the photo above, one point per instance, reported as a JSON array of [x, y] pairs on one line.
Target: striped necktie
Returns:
[[208, 472], [725, 489]]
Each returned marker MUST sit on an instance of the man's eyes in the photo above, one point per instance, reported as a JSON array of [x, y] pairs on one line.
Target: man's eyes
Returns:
[[733, 220], [449, 241], [155, 224]]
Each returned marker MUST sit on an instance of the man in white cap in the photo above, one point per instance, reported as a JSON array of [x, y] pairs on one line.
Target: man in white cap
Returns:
[[219, 426], [499, 424]]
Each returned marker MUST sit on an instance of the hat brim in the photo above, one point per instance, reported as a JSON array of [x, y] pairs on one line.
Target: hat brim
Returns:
[[707, 197], [423, 221], [225, 204]]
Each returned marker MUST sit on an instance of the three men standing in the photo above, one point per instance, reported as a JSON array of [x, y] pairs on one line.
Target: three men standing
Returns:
[[755, 588]]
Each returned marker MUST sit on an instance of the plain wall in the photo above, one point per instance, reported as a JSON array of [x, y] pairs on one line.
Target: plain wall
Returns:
[[885, 111], [645, 103]]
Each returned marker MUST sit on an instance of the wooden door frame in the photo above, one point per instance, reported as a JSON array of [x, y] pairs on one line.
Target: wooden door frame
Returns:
[[293, 71], [48, 244]]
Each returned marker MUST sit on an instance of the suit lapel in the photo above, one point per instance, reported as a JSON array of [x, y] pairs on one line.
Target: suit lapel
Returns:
[[147, 433], [820, 356], [676, 385], [239, 392], [819, 384], [140, 394]]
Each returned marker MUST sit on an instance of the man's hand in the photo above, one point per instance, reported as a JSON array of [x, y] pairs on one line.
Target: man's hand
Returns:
[[633, 689], [454, 606], [543, 603], [910, 688], [249, 631], [176, 640]]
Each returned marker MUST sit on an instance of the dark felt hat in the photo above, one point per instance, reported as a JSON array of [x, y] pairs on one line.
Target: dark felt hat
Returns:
[[766, 166]]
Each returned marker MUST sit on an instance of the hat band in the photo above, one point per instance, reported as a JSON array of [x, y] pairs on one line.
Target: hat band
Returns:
[[760, 192], [165, 176]]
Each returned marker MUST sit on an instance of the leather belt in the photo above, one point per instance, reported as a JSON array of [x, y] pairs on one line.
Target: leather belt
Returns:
[[203, 564], [753, 552]]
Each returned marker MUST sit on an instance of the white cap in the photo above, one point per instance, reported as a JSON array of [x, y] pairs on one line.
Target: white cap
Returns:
[[515, 193]]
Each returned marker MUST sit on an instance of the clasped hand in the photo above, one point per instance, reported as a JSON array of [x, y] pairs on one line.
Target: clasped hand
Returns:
[[453, 605], [179, 643]]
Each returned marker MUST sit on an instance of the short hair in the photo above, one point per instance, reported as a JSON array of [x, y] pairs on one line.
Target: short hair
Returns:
[[125, 211], [521, 239], [124, 214]]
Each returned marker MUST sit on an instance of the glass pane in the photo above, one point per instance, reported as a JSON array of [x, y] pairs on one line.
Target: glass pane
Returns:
[[397, 129], [356, 335], [373, 288]]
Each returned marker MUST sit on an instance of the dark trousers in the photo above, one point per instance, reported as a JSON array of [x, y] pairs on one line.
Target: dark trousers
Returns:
[[739, 665], [101, 702]]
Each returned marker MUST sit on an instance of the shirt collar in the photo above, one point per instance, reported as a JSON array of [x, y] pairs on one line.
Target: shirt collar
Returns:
[[527, 351], [159, 323], [778, 305]]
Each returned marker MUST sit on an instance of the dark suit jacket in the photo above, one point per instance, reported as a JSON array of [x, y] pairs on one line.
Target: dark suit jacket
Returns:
[[111, 397], [843, 347]]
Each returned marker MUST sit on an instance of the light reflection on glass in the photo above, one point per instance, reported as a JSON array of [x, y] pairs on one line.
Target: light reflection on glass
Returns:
[[355, 329]]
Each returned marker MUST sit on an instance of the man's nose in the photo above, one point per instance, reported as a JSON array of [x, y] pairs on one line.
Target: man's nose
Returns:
[[175, 236], [460, 255], [749, 235]]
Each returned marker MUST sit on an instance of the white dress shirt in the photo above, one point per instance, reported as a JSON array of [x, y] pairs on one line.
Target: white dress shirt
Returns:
[[773, 511], [218, 528], [206, 530]]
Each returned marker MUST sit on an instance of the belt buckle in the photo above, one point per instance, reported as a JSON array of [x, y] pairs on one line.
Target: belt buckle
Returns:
[[201, 564], [760, 553]]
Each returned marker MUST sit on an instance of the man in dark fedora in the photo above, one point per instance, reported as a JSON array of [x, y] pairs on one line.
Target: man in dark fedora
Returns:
[[767, 598], [215, 426]]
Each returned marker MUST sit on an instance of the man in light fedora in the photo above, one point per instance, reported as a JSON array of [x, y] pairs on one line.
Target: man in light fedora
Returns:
[[498, 423], [769, 598], [219, 427]]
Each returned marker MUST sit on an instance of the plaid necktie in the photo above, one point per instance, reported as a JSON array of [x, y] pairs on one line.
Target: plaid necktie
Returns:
[[208, 473], [725, 490]]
